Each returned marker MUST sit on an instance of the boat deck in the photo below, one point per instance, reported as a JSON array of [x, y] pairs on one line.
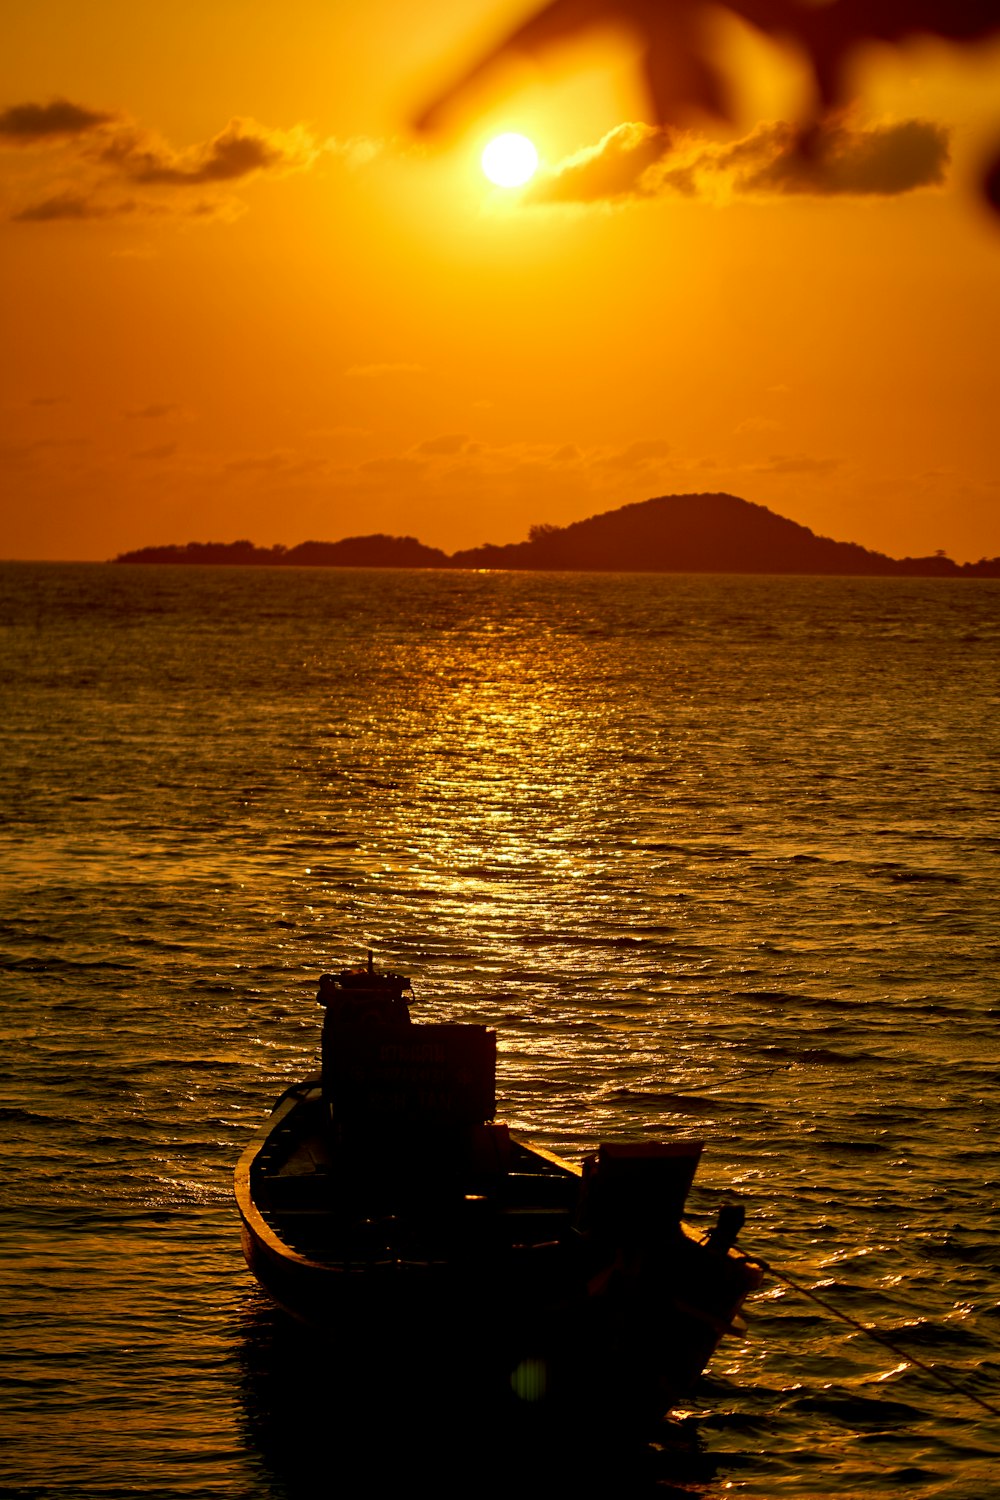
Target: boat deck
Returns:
[[361, 1209]]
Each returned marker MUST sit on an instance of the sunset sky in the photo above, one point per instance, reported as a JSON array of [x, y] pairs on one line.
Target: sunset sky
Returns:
[[241, 297]]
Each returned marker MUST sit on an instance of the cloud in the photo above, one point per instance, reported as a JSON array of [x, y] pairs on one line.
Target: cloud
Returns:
[[392, 468], [756, 424], [884, 160], [455, 457], [72, 205], [609, 469], [357, 151], [286, 462], [27, 124], [240, 150], [796, 463], [158, 451], [637, 161], [614, 168], [98, 158], [639, 455], [451, 442], [153, 411], [42, 454]]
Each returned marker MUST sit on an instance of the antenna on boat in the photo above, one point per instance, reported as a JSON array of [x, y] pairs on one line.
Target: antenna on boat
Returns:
[[371, 962]]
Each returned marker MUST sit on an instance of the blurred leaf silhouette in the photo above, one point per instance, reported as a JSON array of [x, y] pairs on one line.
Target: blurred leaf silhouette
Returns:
[[683, 77]]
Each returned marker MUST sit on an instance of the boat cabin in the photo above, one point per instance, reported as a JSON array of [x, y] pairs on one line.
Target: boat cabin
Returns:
[[383, 1077]]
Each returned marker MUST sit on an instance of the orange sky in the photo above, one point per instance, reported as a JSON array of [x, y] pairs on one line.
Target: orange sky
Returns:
[[241, 299]]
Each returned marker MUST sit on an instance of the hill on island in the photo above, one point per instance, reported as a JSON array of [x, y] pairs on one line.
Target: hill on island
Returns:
[[714, 533]]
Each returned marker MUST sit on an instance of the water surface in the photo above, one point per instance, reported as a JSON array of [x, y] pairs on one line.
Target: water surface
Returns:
[[716, 856]]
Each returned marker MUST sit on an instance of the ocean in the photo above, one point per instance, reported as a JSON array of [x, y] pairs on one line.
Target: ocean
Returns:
[[717, 856]]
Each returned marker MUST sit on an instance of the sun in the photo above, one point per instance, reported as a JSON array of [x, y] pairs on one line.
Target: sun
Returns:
[[509, 159]]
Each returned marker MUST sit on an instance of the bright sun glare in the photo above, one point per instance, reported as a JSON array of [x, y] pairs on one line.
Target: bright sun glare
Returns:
[[509, 160]]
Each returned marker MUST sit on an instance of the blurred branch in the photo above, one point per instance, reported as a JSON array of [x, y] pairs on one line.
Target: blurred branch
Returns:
[[683, 76]]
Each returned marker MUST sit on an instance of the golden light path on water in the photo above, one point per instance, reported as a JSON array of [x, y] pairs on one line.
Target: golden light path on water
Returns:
[[716, 857]]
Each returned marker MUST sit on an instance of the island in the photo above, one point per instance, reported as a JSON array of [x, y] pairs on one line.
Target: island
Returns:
[[713, 533]]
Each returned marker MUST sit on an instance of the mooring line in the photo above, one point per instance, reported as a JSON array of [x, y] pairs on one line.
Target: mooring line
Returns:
[[874, 1333]]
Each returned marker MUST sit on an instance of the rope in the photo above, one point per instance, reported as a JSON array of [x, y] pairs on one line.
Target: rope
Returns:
[[876, 1334]]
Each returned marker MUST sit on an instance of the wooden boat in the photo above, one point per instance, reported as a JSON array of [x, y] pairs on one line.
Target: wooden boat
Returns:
[[382, 1203]]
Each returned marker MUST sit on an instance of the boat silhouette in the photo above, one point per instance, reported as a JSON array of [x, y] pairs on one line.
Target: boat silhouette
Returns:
[[383, 1204]]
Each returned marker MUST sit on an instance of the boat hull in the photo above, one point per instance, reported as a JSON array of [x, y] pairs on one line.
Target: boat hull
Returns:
[[499, 1281]]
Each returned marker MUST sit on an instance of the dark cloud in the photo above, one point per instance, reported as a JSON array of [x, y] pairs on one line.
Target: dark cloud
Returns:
[[70, 205], [451, 442], [882, 159], [240, 150], [158, 451], [285, 463], [153, 411], [392, 468], [41, 452], [638, 161], [756, 424], [25, 124], [101, 152]]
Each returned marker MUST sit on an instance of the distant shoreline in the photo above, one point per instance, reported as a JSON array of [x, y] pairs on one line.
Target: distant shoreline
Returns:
[[987, 568], [714, 533]]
